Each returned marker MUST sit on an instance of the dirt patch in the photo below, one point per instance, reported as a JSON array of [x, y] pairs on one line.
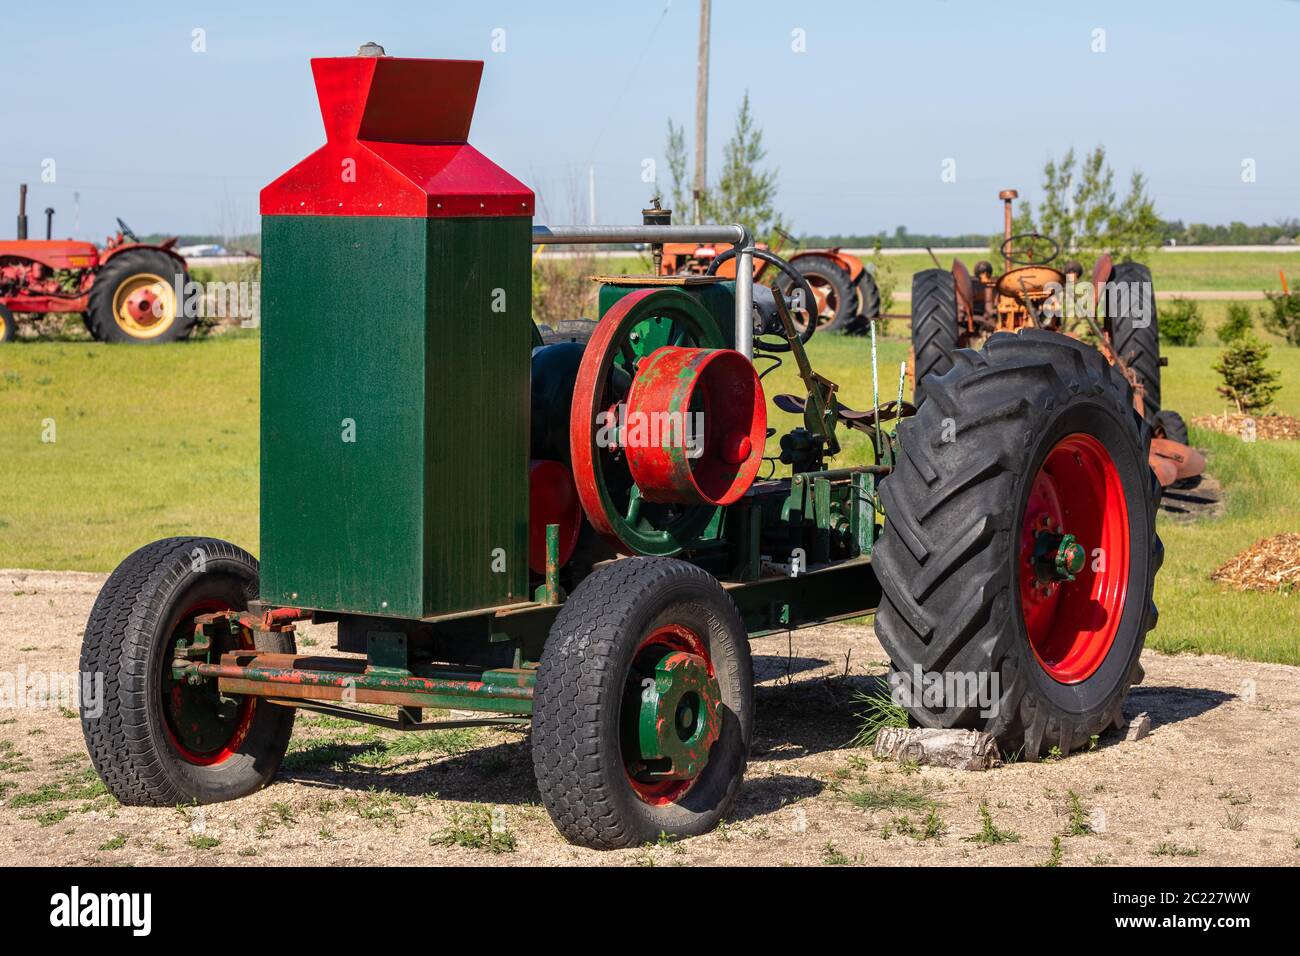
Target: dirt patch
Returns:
[[1252, 427], [1272, 564], [1193, 499], [1212, 784]]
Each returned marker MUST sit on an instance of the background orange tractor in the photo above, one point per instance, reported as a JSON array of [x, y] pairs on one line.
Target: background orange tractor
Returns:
[[130, 291], [1115, 308], [845, 290]]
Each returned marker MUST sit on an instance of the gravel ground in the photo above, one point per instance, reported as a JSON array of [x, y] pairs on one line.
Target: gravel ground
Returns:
[[1214, 783]]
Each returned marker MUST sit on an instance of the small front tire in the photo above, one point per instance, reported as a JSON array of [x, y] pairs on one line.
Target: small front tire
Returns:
[[640, 636], [159, 742]]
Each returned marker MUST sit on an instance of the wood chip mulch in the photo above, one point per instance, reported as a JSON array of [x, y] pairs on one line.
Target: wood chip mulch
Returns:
[[1267, 427], [1269, 565]]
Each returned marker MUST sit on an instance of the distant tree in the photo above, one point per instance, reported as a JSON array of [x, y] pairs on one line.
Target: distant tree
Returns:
[[1081, 211], [1246, 380], [679, 199], [744, 192]]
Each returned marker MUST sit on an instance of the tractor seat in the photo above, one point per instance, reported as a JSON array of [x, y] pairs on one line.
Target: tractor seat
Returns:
[[851, 417]]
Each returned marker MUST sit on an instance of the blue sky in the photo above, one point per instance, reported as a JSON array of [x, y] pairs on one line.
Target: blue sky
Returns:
[[858, 125]]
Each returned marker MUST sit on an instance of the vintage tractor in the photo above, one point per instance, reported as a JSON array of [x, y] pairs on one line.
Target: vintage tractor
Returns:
[[582, 537], [1116, 306], [130, 291], [842, 286]]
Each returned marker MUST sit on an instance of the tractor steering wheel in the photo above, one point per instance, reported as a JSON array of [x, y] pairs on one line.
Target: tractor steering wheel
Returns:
[[810, 301], [126, 230], [1024, 255]]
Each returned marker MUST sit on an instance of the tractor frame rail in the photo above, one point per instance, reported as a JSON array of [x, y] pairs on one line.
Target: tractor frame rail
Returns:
[[391, 675]]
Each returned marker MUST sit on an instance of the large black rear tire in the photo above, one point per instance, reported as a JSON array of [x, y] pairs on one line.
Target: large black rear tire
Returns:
[[1169, 424], [144, 755], [957, 564], [868, 302], [8, 329], [110, 313], [592, 681], [1130, 303], [832, 282], [934, 327]]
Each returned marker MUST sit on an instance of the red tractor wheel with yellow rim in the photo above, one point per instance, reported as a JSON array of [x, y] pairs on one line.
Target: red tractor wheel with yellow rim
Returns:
[[156, 739], [1018, 560], [643, 707], [8, 328], [134, 299]]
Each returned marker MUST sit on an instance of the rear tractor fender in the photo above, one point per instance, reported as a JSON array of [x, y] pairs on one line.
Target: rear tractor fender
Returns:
[[850, 264], [165, 249]]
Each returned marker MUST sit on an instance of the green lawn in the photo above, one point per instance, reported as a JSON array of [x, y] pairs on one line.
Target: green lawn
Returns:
[[1171, 271], [149, 442], [163, 440]]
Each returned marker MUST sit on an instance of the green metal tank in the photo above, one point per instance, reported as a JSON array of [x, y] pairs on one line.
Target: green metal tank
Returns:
[[396, 326]]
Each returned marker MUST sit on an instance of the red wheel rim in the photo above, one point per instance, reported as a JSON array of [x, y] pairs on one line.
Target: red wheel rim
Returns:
[[660, 642], [1071, 624], [173, 698]]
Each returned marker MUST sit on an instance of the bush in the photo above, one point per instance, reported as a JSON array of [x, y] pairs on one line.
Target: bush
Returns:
[[1246, 381], [1237, 325], [562, 288], [1284, 317], [886, 281], [1181, 322]]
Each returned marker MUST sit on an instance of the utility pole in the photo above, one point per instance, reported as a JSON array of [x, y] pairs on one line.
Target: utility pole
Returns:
[[591, 195], [701, 114]]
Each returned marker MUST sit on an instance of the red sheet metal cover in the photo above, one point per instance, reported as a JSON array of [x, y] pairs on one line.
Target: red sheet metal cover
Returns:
[[396, 133]]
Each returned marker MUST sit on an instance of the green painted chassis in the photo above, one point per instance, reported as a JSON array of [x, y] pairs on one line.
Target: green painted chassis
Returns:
[[792, 552], [485, 661]]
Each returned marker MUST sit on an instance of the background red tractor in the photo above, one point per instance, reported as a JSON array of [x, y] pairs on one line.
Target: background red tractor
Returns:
[[845, 290], [129, 291], [1115, 309]]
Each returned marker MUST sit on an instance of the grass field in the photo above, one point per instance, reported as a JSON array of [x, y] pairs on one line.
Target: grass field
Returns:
[[1171, 271], [158, 441]]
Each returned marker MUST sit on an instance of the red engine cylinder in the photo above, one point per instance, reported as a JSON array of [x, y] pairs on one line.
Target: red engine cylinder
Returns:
[[695, 426]]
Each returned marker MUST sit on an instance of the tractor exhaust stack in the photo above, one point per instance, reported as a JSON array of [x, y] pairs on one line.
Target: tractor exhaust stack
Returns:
[[22, 211], [1007, 195]]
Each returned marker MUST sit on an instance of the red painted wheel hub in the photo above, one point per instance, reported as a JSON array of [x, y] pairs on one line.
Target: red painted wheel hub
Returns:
[[142, 304], [1073, 558], [669, 648], [180, 700]]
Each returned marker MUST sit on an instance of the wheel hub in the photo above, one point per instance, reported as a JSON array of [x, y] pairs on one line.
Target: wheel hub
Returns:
[[1072, 607], [144, 305], [205, 726], [678, 721]]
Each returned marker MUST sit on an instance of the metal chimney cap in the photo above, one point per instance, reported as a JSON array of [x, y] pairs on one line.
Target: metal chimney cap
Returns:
[[371, 49]]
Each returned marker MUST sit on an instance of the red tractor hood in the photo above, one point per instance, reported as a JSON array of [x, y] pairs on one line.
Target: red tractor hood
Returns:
[[53, 253]]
